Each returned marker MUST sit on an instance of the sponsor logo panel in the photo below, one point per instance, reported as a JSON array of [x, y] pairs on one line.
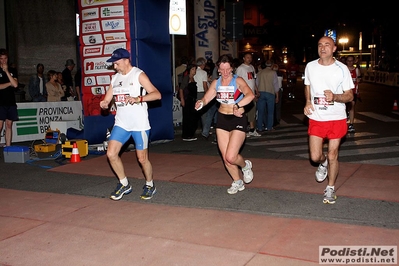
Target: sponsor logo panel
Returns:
[[112, 11], [113, 25], [98, 90], [90, 13], [92, 39], [103, 80], [115, 37], [93, 50], [90, 27], [96, 65], [90, 81], [86, 3], [110, 48]]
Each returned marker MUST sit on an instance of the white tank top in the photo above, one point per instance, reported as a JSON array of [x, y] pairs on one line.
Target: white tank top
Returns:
[[131, 117]]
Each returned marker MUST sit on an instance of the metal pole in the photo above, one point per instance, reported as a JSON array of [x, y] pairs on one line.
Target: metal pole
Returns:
[[360, 49], [234, 31], [173, 64]]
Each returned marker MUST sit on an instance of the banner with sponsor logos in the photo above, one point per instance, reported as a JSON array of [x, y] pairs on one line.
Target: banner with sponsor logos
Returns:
[[104, 27], [35, 118], [141, 27], [206, 29], [225, 46]]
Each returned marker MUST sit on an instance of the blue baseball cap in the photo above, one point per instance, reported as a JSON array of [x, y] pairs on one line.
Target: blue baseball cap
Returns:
[[119, 54]]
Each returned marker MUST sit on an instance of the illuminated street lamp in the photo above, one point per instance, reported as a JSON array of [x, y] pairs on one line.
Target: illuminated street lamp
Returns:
[[343, 41]]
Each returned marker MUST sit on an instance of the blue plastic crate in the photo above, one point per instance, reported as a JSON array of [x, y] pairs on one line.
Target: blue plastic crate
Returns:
[[16, 154]]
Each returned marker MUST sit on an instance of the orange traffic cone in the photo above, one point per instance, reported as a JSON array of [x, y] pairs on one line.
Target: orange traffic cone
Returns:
[[75, 157], [395, 105]]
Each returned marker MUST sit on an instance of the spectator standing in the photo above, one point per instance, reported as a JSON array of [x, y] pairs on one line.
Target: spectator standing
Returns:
[[209, 66], [233, 94], [8, 104], [292, 74], [213, 109], [356, 78], [60, 80], [188, 97], [179, 72], [37, 85], [328, 86], [54, 89], [279, 98], [201, 77], [247, 71], [68, 80], [211, 112], [268, 88], [131, 120]]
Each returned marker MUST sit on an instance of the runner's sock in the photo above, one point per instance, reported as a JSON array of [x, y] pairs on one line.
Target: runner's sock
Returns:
[[124, 181]]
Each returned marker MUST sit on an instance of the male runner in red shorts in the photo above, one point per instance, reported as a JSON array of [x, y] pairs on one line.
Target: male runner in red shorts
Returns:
[[328, 85]]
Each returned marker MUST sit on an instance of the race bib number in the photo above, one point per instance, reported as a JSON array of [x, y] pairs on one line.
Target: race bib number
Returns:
[[120, 95], [321, 100], [120, 99], [225, 94]]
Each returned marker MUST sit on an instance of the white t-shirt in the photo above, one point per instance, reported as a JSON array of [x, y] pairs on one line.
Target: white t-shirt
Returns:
[[41, 85], [131, 117], [199, 77], [280, 82], [247, 72], [335, 77]]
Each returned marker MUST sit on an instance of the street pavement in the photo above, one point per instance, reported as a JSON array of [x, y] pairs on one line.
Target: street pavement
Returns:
[[54, 212]]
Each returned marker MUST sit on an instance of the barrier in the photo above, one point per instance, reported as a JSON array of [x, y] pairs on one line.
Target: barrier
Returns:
[[35, 118], [396, 79], [369, 76], [381, 77], [177, 111]]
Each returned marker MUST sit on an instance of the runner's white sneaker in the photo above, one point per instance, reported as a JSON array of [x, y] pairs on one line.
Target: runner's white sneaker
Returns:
[[329, 196], [236, 186], [254, 134], [321, 173], [247, 173]]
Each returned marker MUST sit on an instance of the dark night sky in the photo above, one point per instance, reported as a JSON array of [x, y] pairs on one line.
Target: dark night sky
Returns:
[[292, 26]]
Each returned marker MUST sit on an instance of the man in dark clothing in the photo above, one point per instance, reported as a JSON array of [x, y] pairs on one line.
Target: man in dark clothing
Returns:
[[68, 80], [37, 85], [8, 105]]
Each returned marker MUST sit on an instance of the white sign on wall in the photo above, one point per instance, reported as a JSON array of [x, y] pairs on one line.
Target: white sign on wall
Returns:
[[177, 17]]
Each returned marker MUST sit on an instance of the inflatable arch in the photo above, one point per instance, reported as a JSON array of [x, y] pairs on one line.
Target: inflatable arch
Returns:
[[142, 27]]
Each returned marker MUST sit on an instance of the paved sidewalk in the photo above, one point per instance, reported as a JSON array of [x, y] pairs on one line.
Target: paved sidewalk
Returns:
[[58, 229]]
